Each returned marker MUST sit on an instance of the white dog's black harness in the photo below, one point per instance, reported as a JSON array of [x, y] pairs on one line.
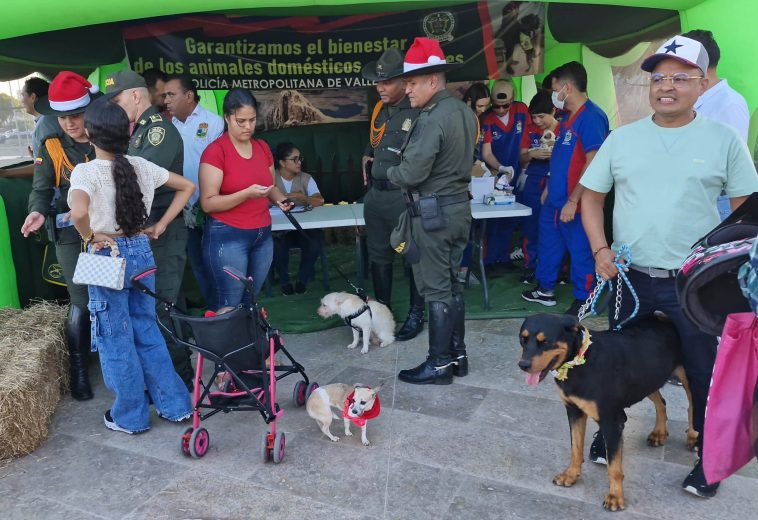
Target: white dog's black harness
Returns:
[[349, 319]]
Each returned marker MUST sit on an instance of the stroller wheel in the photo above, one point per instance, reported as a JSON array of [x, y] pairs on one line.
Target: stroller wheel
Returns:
[[278, 447], [199, 442], [265, 449], [298, 393], [310, 389], [186, 441]]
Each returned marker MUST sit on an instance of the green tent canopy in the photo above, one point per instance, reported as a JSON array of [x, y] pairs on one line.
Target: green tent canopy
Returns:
[[81, 35]]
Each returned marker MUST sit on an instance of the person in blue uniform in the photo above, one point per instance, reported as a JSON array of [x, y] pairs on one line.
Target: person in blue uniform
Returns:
[[536, 148], [560, 228], [503, 127]]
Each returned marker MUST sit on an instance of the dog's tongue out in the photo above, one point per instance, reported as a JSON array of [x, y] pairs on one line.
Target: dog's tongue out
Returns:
[[532, 379]]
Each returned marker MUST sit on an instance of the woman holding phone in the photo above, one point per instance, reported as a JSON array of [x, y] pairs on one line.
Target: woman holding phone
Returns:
[[236, 186]]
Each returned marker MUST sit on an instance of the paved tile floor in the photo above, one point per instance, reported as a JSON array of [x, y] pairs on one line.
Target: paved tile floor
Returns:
[[485, 447]]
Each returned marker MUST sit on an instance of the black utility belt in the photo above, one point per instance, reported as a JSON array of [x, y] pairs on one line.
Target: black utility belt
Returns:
[[655, 272], [384, 185], [429, 207]]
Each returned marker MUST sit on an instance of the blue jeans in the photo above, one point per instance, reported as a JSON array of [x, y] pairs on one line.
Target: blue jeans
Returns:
[[247, 250], [197, 264], [133, 353], [698, 348]]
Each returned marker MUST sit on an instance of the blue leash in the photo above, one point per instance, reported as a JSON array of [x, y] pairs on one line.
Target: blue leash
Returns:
[[624, 253]]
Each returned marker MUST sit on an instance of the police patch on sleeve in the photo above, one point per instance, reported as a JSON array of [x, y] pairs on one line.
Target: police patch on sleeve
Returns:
[[155, 135]]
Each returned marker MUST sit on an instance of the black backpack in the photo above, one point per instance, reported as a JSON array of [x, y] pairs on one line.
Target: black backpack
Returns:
[[707, 283]]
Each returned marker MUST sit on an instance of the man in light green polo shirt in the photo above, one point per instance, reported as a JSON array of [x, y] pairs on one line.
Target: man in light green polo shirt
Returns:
[[668, 170]]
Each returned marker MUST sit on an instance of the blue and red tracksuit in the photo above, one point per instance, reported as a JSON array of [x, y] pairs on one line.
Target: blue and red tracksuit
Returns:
[[583, 132], [505, 141], [537, 172]]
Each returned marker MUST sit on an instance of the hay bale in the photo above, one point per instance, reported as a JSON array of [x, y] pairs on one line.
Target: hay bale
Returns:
[[33, 375]]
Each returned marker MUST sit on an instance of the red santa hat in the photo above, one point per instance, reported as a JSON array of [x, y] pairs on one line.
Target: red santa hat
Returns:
[[69, 94], [424, 57]]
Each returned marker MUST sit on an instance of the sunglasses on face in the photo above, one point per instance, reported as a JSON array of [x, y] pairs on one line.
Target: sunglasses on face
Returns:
[[506, 106]]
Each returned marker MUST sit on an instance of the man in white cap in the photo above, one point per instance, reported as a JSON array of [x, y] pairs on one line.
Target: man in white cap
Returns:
[[668, 171], [434, 174]]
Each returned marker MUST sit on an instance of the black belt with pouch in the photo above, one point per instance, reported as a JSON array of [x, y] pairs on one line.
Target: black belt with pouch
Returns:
[[384, 185], [429, 207]]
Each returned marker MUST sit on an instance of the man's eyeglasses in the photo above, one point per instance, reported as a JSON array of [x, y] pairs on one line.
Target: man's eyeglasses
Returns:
[[296, 159], [505, 106], [680, 79]]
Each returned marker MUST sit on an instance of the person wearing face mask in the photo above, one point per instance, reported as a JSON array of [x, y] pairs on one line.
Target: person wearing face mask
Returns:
[[577, 140], [503, 126], [68, 96]]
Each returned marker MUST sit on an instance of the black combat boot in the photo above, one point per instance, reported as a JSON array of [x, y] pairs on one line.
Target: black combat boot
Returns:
[[457, 344], [381, 276], [414, 322], [78, 339], [438, 367]]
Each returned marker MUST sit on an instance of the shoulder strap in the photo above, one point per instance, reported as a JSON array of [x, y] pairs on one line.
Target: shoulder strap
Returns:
[[61, 163], [376, 133]]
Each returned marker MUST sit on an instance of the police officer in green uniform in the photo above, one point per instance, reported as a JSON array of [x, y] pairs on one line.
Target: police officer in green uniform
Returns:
[[390, 122], [434, 175], [156, 139], [68, 96]]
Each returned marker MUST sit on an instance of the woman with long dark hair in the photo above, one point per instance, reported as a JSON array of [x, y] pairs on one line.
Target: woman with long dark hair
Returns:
[[301, 189], [110, 198], [236, 187]]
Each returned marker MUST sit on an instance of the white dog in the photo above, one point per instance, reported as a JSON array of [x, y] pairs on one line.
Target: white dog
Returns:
[[372, 319], [356, 403]]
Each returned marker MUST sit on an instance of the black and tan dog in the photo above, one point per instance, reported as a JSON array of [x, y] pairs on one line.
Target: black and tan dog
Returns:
[[598, 375]]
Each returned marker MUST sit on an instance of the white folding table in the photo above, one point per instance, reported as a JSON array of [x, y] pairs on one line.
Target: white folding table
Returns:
[[347, 215], [483, 212]]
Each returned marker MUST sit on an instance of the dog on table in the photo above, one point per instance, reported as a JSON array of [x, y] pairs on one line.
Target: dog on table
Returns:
[[357, 404], [372, 320], [598, 375]]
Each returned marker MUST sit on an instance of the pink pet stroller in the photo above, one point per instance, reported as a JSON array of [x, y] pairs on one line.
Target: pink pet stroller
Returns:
[[241, 345]]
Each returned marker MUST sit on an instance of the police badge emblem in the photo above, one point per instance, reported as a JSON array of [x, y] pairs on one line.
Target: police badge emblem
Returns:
[[155, 135], [202, 130], [439, 26], [407, 125]]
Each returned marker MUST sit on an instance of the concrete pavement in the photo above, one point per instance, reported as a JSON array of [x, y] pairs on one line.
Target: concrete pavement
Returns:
[[485, 447]]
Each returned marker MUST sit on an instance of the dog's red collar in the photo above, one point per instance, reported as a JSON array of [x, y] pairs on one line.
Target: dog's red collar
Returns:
[[373, 413]]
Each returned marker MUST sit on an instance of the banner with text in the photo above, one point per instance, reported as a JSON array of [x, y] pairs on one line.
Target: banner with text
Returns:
[[490, 40]]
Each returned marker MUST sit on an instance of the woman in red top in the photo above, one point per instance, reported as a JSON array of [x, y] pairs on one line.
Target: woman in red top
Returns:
[[236, 185]]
